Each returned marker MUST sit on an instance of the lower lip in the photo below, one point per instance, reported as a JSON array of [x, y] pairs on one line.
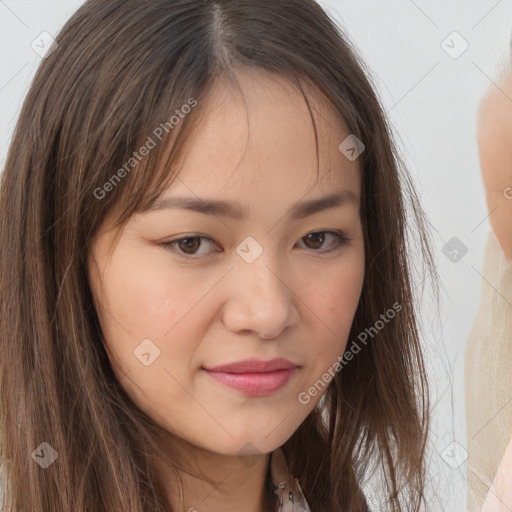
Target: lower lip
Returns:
[[254, 384]]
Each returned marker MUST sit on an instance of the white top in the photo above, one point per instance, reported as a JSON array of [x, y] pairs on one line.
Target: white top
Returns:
[[488, 375]]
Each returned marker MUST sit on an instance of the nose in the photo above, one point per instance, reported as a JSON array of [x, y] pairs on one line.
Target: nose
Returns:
[[260, 300]]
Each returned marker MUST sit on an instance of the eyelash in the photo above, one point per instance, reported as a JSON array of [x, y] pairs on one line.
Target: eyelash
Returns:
[[340, 241]]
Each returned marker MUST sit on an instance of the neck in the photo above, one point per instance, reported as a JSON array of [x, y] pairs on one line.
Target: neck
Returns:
[[227, 483]]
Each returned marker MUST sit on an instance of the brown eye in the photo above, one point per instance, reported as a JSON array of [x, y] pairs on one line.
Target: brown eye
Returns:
[[189, 245], [317, 240]]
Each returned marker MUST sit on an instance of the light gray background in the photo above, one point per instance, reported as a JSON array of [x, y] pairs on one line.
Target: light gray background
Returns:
[[432, 100]]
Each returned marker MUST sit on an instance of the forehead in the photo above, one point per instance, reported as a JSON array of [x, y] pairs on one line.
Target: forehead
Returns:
[[256, 141]]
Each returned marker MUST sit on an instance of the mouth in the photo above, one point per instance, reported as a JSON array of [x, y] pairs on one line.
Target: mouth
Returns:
[[254, 366], [254, 383]]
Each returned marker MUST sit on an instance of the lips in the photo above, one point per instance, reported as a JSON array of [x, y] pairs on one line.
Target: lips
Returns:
[[254, 366], [254, 377]]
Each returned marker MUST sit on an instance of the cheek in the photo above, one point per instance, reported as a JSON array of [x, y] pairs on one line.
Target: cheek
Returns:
[[149, 299], [149, 309], [333, 300], [139, 301]]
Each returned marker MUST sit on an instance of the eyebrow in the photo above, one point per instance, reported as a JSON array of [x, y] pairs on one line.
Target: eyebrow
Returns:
[[237, 211]]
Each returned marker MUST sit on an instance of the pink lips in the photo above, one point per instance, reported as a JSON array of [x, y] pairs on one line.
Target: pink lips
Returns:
[[254, 377]]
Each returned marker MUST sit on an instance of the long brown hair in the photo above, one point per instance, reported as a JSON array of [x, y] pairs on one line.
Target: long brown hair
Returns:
[[119, 70]]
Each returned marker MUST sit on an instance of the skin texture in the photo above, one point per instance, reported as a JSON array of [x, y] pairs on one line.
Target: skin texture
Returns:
[[294, 300], [495, 149]]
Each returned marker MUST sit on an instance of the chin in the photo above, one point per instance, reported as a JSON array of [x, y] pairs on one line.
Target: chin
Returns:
[[241, 445]]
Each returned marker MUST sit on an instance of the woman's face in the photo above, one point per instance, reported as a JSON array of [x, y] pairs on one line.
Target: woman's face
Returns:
[[247, 282]]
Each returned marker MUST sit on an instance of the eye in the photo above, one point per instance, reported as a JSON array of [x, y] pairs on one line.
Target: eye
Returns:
[[317, 238], [187, 247]]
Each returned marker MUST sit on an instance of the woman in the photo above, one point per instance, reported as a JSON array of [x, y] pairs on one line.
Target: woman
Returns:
[[489, 350], [191, 319]]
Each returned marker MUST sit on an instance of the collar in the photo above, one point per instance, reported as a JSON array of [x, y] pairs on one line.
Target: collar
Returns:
[[287, 486]]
